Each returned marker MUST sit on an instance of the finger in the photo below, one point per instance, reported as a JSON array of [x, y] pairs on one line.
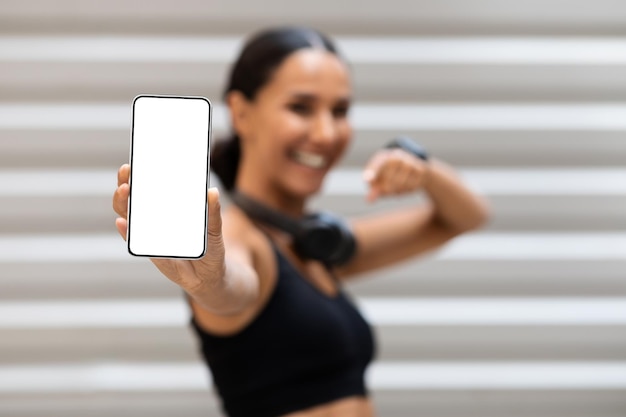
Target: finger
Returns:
[[122, 174], [413, 183], [121, 225], [373, 193], [120, 200], [378, 175], [388, 176], [405, 177], [369, 175], [371, 170], [417, 178], [372, 174], [215, 216]]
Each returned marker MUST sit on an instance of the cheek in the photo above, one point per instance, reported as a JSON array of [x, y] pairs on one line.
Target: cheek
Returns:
[[285, 127], [292, 125]]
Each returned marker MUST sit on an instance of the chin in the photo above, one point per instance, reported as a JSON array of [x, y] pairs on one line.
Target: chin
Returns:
[[303, 182], [305, 189]]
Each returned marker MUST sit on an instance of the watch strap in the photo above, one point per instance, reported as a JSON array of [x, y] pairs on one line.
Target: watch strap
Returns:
[[409, 145]]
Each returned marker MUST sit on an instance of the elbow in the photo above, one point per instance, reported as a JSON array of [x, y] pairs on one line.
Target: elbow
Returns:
[[480, 217]]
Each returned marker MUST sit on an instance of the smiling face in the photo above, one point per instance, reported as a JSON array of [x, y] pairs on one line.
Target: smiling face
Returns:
[[295, 129]]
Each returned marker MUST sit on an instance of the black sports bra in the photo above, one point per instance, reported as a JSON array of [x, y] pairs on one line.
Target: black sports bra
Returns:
[[305, 348]]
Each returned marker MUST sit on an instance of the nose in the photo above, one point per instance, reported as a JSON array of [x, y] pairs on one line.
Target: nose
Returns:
[[324, 130]]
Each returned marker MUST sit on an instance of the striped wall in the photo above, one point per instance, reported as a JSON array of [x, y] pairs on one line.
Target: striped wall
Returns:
[[527, 99]]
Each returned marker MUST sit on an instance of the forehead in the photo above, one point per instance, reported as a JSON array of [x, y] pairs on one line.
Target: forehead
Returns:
[[311, 70]]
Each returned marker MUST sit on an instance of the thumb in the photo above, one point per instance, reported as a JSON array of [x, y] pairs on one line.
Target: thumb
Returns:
[[215, 216], [370, 176], [373, 193], [121, 224]]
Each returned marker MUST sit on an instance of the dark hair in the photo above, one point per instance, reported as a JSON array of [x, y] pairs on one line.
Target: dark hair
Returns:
[[261, 55]]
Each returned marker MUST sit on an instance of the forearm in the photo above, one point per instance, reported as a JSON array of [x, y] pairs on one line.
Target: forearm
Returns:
[[455, 204]]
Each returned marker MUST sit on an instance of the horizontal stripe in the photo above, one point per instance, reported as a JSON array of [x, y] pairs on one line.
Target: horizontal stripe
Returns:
[[505, 181], [342, 181], [498, 376], [500, 311], [367, 50], [476, 246], [367, 116], [160, 377], [396, 311]]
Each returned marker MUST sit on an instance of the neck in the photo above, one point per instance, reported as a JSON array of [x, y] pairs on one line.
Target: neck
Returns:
[[279, 200]]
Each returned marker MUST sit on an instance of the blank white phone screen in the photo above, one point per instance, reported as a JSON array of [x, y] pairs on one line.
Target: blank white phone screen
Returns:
[[169, 174]]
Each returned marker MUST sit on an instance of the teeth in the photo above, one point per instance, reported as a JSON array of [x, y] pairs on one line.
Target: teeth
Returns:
[[310, 159]]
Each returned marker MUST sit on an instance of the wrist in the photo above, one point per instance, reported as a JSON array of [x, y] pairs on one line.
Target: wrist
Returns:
[[206, 281]]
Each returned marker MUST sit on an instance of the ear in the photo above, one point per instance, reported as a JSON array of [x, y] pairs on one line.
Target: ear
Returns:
[[239, 107]]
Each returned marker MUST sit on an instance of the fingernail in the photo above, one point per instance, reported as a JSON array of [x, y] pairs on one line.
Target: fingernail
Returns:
[[368, 175]]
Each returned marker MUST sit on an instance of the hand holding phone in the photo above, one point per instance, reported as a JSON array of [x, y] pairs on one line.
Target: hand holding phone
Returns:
[[191, 275]]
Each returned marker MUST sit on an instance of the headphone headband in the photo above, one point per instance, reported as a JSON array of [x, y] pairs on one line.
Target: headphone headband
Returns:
[[265, 214]]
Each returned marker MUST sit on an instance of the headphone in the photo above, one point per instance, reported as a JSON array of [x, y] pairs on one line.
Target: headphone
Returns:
[[321, 236]]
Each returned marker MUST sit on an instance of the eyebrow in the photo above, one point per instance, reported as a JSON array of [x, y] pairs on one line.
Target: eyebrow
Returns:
[[313, 97]]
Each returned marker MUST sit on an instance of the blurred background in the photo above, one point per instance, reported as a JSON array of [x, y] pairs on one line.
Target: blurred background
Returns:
[[526, 98]]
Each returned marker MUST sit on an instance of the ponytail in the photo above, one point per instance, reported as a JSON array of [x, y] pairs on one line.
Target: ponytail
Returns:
[[225, 155]]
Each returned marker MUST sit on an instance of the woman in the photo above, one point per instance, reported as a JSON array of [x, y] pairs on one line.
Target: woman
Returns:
[[278, 332]]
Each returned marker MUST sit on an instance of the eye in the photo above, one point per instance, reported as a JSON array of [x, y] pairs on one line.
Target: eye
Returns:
[[300, 108], [340, 111]]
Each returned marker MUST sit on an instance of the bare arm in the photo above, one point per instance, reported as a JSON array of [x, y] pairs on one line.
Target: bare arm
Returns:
[[391, 237]]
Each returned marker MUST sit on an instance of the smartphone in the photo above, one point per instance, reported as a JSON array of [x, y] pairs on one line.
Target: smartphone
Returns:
[[169, 176]]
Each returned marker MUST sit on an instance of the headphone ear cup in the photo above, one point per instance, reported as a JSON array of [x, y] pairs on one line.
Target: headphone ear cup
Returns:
[[317, 238], [326, 238], [347, 247]]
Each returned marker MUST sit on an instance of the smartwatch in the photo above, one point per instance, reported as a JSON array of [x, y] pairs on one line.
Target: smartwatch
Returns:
[[409, 145]]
